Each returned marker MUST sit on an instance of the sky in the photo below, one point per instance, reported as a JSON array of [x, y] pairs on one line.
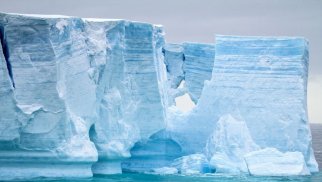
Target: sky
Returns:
[[201, 20]]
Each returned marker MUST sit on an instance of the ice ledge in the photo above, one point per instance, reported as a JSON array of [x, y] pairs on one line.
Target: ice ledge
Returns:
[[271, 162]]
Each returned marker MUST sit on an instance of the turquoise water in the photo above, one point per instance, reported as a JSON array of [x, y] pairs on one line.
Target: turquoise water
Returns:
[[177, 178]]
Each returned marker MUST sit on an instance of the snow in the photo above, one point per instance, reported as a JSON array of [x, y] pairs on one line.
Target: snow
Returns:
[[184, 103]]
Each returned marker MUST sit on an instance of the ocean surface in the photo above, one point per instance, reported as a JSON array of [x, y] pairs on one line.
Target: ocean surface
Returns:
[[317, 145], [177, 178]]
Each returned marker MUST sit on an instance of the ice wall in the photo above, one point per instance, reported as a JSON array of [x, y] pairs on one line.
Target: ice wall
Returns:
[[264, 80], [260, 80], [53, 99], [9, 127], [67, 82], [188, 62], [198, 64], [130, 93], [173, 59], [191, 63]]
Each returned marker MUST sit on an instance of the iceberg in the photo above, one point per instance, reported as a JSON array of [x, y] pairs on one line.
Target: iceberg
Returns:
[[82, 96], [261, 81]]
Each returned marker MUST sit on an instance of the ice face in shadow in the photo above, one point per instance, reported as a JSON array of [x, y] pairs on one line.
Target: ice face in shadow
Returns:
[[53, 100], [198, 64], [190, 63], [10, 124], [173, 59], [155, 153]]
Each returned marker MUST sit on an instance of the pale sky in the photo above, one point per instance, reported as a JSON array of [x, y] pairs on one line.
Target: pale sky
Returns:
[[200, 20]]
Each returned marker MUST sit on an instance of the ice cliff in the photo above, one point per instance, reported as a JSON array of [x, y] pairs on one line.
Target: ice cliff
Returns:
[[83, 96]]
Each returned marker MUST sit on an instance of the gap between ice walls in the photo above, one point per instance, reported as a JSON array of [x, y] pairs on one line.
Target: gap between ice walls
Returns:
[[83, 96]]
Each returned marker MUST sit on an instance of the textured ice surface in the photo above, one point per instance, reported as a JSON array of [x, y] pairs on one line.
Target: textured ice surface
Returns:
[[198, 64], [173, 59], [229, 143], [67, 74], [192, 164], [259, 80], [9, 127], [156, 152], [263, 80], [54, 97], [271, 162], [129, 96], [165, 170], [83, 96], [191, 63]]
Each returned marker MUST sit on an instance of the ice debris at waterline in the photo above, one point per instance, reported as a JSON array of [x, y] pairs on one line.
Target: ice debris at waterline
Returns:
[[83, 96]]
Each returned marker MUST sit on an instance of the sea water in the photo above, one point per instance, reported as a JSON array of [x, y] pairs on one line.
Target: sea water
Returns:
[[180, 178]]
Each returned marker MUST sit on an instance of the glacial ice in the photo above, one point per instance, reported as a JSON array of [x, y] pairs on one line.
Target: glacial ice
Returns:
[[228, 144], [125, 57], [52, 109], [259, 80], [165, 170], [74, 82], [192, 164], [191, 63], [198, 64], [83, 96], [271, 162], [156, 152]]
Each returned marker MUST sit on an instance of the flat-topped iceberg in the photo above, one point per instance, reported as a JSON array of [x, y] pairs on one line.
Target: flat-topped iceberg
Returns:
[[260, 81], [98, 96]]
